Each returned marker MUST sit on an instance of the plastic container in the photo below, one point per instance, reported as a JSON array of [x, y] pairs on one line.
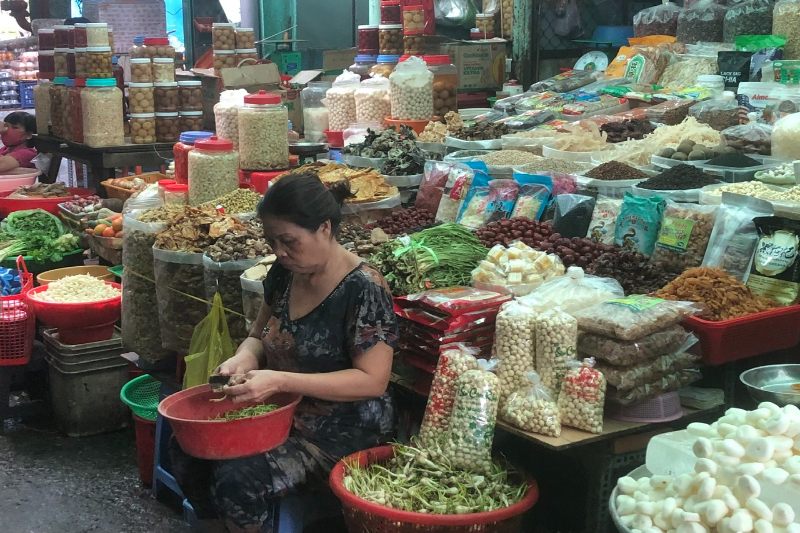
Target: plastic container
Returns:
[[163, 70], [47, 39], [223, 36], [181, 152], [315, 114], [363, 65], [245, 38], [141, 70], [157, 47], [391, 12], [485, 24], [75, 119], [17, 323], [224, 59], [190, 412], [168, 127], [244, 54], [213, 170], [414, 43], [385, 65], [63, 36], [176, 194], [413, 18], [58, 99], [190, 95], [390, 39], [191, 120], [41, 100], [81, 62], [80, 37], [263, 143], [101, 102], [445, 84], [143, 128], [142, 396], [162, 187], [96, 34], [713, 82], [141, 98], [60, 62], [47, 65], [367, 39], [663, 408], [96, 271], [166, 97]]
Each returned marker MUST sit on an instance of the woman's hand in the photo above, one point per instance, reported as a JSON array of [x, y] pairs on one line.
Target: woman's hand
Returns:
[[259, 385], [241, 363]]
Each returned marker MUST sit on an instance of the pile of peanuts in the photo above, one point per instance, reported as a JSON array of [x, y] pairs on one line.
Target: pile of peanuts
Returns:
[[223, 36], [166, 97], [514, 346]]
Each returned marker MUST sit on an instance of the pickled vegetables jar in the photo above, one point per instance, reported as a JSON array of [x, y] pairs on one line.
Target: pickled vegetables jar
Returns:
[[101, 102], [98, 64], [368, 39], [190, 94], [168, 127], [163, 70], [41, 101], [263, 144], [166, 97], [97, 34], [60, 62], [81, 40], [213, 169], [81, 62], [390, 39], [158, 47], [64, 38], [391, 12], [47, 65], [142, 70], [191, 120], [140, 98]]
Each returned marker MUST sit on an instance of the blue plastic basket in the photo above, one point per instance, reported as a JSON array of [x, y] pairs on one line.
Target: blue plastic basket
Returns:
[[26, 93]]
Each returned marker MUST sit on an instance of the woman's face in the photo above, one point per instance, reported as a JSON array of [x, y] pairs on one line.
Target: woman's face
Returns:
[[14, 134], [298, 249]]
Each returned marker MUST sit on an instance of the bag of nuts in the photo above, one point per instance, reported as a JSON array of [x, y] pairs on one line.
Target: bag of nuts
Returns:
[[624, 353], [226, 115], [684, 235], [533, 409], [634, 317], [583, 395], [514, 346], [372, 100], [454, 361], [340, 101], [556, 346]]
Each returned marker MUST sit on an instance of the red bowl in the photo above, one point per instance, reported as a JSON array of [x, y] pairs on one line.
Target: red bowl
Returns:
[[78, 323], [189, 412]]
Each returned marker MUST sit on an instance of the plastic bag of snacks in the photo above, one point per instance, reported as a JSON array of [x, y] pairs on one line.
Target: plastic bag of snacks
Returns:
[[701, 22], [624, 353], [625, 378], [459, 181], [556, 345], [472, 423], [572, 292], [647, 391], [638, 223], [454, 361], [634, 317], [604, 220], [684, 235], [657, 20], [583, 395], [533, 409], [514, 346]]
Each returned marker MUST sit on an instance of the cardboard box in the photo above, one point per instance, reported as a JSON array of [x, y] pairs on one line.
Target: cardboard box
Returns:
[[335, 61], [481, 65]]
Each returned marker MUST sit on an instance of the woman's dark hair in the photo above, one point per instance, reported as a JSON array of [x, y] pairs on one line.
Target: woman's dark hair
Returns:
[[76, 20], [21, 118], [304, 200]]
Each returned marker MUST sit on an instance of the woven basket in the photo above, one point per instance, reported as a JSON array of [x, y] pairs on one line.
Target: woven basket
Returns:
[[123, 194]]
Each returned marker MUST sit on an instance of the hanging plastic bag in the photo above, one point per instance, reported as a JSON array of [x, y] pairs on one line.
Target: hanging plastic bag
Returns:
[[226, 115], [223, 278], [701, 22], [657, 20], [556, 345], [786, 138], [514, 346], [583, 395], [473, 420], [455, 13], [340, 100], [533, 409], [210, 347], [572, 292], [454, 361], [180, 291], [372, 100]]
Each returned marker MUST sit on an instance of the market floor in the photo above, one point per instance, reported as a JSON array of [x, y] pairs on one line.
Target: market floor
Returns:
[[50, 483]]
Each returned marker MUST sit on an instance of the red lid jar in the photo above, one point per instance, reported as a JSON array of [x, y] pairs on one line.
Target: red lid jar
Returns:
[[391, 12]]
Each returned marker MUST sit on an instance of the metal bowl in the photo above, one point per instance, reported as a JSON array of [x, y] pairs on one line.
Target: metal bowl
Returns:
[[773, 383]]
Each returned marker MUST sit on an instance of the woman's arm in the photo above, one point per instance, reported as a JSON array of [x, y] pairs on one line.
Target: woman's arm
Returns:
[[250, 354], [368, 378], [8, 163]]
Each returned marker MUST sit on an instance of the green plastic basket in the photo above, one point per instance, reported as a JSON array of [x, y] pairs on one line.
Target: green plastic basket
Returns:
[[141, 395]]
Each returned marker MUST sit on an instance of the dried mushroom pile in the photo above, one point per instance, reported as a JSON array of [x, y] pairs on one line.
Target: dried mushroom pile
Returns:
[[244, 241], [194, 230], [403, 156]]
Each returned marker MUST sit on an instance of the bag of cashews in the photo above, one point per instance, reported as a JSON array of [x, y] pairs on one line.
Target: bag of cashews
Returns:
[[471, 431], [340, 100], [454, 360], [556, 346], [583, 394], [533, 409], [514, 346]]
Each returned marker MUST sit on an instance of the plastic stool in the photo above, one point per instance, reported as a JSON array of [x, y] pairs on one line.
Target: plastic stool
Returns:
[[162, 478]]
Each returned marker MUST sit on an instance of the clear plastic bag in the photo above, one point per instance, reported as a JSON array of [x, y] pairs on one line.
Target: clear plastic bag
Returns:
[[634, 317], [623, 353], [224, 278], [786, 136], [459, 181], [533, 409], [514, 346], [566, 81], [754, 137], [647, 391], [573, 214], [604, 220], [180, 291], [473, 419], [734, 236], [340, 101], [657, 20], [372, 100], [141, 332], [583, 394], [454, 361], [572, 292], [786, 22], [683, 71], [720, 113], [252, 299], [147, 198], [752, 17], [226, 115], [626, 378], [684, 235], [701, 22], [556, 334]]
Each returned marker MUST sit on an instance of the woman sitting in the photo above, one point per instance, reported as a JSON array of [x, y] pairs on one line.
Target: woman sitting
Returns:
[[16, 133]]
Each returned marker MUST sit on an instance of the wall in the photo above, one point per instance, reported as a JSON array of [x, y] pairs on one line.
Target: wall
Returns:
[[327, 25]]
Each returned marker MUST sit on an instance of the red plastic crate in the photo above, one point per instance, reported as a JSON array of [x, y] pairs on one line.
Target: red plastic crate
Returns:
[[9, 205], [738, 338]]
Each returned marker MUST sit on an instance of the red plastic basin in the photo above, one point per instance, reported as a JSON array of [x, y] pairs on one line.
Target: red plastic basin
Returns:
[[78, 323], [189, 412], [9, 205]]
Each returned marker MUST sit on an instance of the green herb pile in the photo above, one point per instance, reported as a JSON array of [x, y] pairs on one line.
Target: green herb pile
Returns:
[[423, 480], [442, 256], [35, 233], [247, 412]]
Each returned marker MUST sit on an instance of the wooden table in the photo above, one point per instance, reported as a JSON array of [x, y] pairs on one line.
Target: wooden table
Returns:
[[102, 162]]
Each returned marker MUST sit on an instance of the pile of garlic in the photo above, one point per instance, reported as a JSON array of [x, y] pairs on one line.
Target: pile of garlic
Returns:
[[736, 457]]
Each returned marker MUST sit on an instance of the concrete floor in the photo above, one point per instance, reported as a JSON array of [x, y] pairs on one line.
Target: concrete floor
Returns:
[[50, 483]]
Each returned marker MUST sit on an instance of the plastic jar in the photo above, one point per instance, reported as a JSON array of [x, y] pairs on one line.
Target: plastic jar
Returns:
[[223, 36], [385, 65], [60, 63], [414, 43], [81, 62], [224, 59], [158, 47], [47, 39], [162, 187], [485, 24], [80, 36], [101, 101], [315, 114], [41, 102], [143, 128], [163, 70], [141, 98], [47, 64], [263, 144], [111, 39], [445, 84], [368, 39], [166, 97], [190, 95], [99, 62], [391, 12], [138, 51], [191, 120], [246, 53], [64, 36], [363, 64], [245, 38], [176, 194], [181, 151], [411, 91], [71, 62], [213, 169], [58, 94], [142, 70], [413, 18], [390, 39], [168, 127], [74, 122], [713, 82], [97, 34]]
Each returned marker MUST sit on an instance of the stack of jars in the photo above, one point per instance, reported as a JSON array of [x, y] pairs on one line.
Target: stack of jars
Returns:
[[414, 30], [223, 41], [368, 45], [166, 97], [73, 111], [47, 44]]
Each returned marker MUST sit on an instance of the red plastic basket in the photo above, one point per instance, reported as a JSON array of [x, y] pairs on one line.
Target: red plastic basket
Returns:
[[738, 338], [17, 323], [145, 448], [362, 516], [9, 205]]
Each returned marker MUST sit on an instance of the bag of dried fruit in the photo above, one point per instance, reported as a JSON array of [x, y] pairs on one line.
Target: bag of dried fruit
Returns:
[[533, 409], [583, 394]]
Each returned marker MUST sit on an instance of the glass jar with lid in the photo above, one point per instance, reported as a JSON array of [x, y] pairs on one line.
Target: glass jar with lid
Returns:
[[213, 169], [176, 194], [41, 102], [390, 39], [413, 18], [190, 95], [224, 59], [168, 127], [445, 84], [414, 43], [138, 51], [58, 96], [385, 65], [391, 12], [245, 38], [74, 123], [97, 34], [143, 128], [163, 69], [141, 70], [46, 39], [98, 64], [60, 62], [166, 97], [81, 62], [64, 36], [368, 39], [101, 101], [66, 110], [223, 36], [158, 47], [363, 64], [263, 144], [191, 120], [485, 24], [81, 39], [141, 98], [246, 53], [47, 65], [315, 114], [181, 151]]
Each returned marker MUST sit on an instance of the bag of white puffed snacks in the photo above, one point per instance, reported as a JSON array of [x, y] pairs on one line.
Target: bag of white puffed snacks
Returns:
[[572, 292], [533, 409], [556, 345], [583, 395], [514, 346]]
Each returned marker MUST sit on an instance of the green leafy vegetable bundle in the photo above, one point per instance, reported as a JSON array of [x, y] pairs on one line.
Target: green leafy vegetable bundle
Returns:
[[35, 233]]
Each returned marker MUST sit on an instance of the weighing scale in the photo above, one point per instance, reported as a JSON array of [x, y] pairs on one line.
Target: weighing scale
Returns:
[[594, 60]]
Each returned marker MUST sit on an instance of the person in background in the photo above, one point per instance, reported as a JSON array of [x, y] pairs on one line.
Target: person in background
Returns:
[[16, 133], [76, 20]]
